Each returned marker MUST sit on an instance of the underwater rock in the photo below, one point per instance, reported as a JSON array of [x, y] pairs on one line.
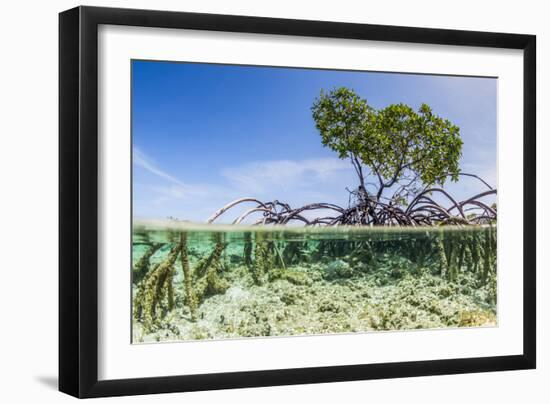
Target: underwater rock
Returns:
[[237, 294], [332, 306], [476, 318], [338, 269], [446, 291], [291, 297], [292, 276], [362, 267]]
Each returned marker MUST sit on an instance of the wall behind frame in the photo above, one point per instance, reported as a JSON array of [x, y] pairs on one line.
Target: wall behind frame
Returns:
[[28, 207]]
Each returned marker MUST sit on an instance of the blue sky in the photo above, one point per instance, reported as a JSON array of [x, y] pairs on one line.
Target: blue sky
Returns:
[[206, 134]]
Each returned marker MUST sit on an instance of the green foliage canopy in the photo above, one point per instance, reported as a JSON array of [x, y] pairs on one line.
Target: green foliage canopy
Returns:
[[395, 143]]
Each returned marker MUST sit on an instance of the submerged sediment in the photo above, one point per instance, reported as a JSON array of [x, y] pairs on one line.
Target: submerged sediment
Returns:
[[234, 284]]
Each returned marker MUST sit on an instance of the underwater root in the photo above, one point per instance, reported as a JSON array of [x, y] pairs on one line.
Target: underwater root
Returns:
[[262, 260], [207, 275], [155, 292], [143, 265], [190, 297]]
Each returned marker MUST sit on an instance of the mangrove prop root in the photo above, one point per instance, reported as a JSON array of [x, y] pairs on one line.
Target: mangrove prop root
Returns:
[[190, 297], [156, 291], [263, 258], [468, 259], [422, 210], [471, 251], [476, 252], [460, 263], [142, 266], [489, 254], [440, 247], [247, 249], [207, 279], [289, 252], [362, 253]]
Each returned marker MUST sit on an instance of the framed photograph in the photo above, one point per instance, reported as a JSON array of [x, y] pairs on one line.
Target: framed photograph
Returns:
[[251, 201]]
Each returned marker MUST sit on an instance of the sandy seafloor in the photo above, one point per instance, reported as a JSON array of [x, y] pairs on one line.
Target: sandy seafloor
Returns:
[[323, 298]]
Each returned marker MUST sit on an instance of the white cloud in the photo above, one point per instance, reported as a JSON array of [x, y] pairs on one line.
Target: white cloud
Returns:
[[259, 177], [297, 182], [175, 189], [192, 191], [142, 160]]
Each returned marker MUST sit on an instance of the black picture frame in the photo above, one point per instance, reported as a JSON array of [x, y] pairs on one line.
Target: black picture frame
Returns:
[[78, 201]]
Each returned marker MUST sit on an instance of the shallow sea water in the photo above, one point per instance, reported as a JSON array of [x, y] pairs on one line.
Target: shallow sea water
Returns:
[[192, 282]]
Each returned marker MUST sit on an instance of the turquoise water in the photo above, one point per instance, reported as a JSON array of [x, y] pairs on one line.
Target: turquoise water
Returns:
[[194, 282]]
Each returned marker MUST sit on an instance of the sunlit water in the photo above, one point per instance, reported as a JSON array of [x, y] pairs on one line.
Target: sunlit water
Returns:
[[209, 282]]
